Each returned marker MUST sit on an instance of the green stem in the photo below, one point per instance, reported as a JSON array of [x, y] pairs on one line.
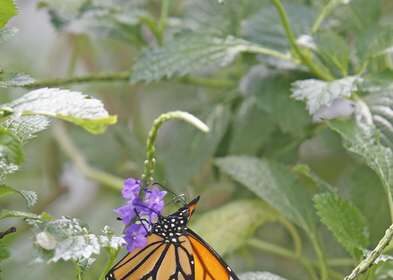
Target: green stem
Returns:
[[18, 214], [365, 264], [123, 77], [390, 201], [283, 252], [163, 19], [79, 272], [297, 242], [150, 161], [292, 41], [112, 258], [321, 258], [327, 9], [80, 162]]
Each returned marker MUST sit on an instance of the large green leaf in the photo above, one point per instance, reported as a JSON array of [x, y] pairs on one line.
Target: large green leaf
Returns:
[[273, 97], [345, 221], [4, 252], [7, 11], [275, 184], [363, 141], [238, 221], [29, 196], [318, 94], [252, 127], [71, 106], [188, 54], [191, 149]]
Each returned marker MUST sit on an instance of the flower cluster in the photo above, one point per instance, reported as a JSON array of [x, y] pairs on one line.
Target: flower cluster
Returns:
[[139, 212]]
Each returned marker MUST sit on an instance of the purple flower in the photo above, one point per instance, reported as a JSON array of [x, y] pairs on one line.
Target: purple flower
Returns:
[[131, 188], [154, 199], [135, 236], [126, 212], [148, 208]]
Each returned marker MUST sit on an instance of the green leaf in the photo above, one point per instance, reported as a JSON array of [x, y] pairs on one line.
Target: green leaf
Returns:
[[273, 97], [252, 128], [5, 213], [380, 104], [11, 152], [71, 106], [345, 221], [363, 141], [25, 127], [275, 184], [14, 80], [29, 196], [188, 54], [333, 51], [7, 11], [242, 218], [265, 28], [260, 276], [198, 147], [318, 94]]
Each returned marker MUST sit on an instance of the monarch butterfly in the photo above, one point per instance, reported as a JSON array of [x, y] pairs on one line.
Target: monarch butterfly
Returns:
[[173, 252]]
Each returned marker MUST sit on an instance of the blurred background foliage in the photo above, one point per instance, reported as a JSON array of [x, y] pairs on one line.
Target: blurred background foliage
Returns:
[[271, 168]]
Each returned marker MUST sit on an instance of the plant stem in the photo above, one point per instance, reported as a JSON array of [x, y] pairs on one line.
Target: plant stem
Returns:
[[297, 242], [365, 264], [321, 258], [76, 156], [292, 41], [327, 9], [165, 4], [283, 252], [79, 272], [149, 164], [112, 258], [123, 77]]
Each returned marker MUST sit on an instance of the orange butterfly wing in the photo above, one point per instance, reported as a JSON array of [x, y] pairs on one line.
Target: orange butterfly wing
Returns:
[[207, 263]]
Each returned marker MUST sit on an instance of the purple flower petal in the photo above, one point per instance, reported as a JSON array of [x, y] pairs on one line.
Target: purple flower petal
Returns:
[[126, 212], [131, 188], [136, 237], [154, 199]]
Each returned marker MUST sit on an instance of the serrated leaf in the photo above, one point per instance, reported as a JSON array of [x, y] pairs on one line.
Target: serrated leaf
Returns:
[[29, 196], [275, 184], [14, 80], [66, 239], [11, 152], [345, 221], [318, 94], [242, 218], [71, 106], [252, 127], [363, 141], [264, 27], [26, 127], [380, 105], [7, 11], [260, 276], [198, 147], [188, 54]]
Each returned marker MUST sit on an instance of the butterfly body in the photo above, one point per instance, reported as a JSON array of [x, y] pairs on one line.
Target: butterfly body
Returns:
[[173, 252]]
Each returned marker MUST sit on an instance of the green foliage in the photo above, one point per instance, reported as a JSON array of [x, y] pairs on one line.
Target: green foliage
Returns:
[[345, 221], [188, 54], [74, 107], [260, 276], [242, 218], [13, 79], [29, 196], [275, 184], [8, 10]]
